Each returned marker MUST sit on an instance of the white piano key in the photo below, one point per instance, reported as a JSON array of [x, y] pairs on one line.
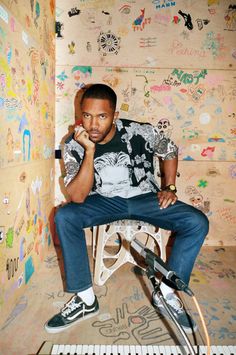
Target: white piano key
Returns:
[[121, 349], [126, 349], [96, 349], [79, 349], [132, 349], [73, 349], [66, 350], [174, 350], [161, 349], [202, 349], [55, 349], [108, 350], [167, 349], [84, 349], [114, 349], [225, 350], [90, 349], [60, 349], [215, 350], [138, 349], [103, 350], [150, 349], [144, 349], [156, 349], [232, 349]]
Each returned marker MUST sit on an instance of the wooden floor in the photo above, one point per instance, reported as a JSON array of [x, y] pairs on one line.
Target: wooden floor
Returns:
[[126, 314]]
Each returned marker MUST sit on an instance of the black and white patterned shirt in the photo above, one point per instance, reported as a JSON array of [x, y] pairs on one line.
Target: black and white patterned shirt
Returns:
[[123, 166]]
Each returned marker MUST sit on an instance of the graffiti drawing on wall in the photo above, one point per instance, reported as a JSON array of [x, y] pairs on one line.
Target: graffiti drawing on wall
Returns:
[[108, 43], [27, 135], [230, 18]]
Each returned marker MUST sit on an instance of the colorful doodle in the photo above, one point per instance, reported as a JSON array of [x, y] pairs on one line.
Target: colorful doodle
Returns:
[[178, 48], [140, 22], [189, 78], [230, 18], [215, 44], [29, 269], [27, 131], [163, 4]]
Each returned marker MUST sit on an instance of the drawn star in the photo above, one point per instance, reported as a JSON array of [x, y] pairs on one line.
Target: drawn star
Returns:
[[60, 85], [62, 76]]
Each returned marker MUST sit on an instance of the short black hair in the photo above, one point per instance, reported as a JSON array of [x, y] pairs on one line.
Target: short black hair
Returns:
[[100, 91]]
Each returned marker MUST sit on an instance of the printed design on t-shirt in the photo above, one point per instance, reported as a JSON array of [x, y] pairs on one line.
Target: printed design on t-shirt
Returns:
[[73, 155], [146, 131], [142, 159], [141, 162], [162, 146], [112, 174]]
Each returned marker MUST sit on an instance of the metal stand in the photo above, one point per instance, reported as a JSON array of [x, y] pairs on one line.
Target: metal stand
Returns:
[[157, 293]]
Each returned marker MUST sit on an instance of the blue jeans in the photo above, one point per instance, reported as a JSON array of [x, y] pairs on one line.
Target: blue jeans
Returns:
[[189, 224]]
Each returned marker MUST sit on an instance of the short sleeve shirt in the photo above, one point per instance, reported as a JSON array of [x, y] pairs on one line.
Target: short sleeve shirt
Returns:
[[124, 165]]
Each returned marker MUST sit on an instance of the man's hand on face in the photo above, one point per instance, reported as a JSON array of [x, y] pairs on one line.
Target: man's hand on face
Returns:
[[82, 137], [166, 198]]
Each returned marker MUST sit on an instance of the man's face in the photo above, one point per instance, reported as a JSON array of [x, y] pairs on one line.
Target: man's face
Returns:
[[97, 118]]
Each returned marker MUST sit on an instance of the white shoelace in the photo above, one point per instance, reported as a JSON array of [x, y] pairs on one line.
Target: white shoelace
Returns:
[[70, 307]]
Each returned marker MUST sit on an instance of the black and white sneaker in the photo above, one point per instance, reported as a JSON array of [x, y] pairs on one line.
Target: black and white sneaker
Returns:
[[177, 307], [74, 311]]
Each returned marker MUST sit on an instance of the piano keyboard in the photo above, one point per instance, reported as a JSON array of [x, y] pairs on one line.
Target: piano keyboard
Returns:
[[59, 349]]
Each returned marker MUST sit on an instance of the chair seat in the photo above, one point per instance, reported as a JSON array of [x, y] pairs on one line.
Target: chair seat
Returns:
[[127, 230]]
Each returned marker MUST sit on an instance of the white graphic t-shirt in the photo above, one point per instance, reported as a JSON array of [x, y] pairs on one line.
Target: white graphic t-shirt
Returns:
[[124, 166]]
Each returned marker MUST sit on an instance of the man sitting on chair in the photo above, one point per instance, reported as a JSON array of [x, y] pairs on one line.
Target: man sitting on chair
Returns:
[[110, 176]]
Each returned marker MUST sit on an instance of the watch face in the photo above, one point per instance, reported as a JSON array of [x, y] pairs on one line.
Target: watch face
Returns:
[[172, 187]]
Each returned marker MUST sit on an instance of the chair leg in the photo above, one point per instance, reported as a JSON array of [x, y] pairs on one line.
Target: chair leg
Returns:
[[102, 233], [94, 239], [101, 271]]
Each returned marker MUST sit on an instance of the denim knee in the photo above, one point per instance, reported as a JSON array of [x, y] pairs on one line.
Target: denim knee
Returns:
[[69, 214], [59, 216], [201, 222], [63, 214]]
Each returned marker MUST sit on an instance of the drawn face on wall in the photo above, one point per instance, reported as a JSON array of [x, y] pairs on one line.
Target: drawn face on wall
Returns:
[[164, 127], [196, 200]]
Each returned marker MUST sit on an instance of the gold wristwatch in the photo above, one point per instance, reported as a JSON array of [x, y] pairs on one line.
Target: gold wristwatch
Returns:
[[171, 188]]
